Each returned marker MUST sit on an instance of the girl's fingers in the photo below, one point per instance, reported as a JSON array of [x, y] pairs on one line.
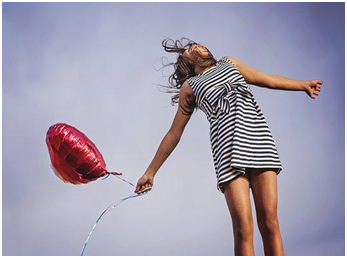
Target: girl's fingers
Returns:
[[144, 188], [139, 188]]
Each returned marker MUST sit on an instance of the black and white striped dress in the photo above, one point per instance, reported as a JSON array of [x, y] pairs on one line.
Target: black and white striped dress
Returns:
[[239, 135]]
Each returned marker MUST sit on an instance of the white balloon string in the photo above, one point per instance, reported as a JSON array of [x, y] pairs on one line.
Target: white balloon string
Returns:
[[108, 174], [124, 180], [108, 209]]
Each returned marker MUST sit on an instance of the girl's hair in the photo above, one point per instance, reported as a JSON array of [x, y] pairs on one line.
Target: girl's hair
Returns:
[[184, 69]]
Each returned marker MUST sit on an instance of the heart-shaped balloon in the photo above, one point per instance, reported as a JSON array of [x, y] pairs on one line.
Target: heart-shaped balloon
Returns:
[[75, 158]]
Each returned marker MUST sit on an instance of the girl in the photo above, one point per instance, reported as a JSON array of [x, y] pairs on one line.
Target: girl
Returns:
[[244, 152]]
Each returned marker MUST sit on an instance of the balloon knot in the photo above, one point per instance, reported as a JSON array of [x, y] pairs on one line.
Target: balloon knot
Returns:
[[115, 173]]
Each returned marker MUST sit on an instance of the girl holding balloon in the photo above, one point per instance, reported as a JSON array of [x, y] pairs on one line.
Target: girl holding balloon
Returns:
[[243, 159]]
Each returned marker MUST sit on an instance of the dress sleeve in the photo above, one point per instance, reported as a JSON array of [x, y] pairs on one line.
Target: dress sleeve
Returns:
[[191, 82], [228, 60]]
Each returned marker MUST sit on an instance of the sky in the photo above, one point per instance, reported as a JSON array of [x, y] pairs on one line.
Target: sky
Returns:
[[96, 66]]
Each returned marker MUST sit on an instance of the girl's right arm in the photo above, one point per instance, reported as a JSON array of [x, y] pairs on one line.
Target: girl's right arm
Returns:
[[170, 140]]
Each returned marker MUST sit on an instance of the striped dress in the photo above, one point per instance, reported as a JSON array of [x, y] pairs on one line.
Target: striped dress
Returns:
[[239, 135]]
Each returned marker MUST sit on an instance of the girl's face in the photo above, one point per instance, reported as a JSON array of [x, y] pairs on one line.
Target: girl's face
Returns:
[[195, 47]]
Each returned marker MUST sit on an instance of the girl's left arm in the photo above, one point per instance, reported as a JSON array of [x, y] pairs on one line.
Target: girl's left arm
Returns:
[[256, 77]]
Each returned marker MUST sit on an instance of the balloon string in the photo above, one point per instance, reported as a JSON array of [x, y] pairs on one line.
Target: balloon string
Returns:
[[110, 173], [108, 209]]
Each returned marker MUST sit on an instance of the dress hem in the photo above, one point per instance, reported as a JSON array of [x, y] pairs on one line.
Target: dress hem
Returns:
[[243, 172]]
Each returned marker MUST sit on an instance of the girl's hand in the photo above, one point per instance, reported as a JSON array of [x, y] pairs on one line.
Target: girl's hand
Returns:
[[145, 182], [313, 87]]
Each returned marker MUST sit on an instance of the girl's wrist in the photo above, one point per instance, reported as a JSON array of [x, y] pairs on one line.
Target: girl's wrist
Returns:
[[304, 85], [150, 172]]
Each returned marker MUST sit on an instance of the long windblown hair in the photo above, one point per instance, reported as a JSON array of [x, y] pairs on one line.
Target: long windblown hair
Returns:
[[184, 69]]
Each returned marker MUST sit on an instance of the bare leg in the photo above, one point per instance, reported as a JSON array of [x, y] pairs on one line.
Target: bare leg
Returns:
[[237, 196], [264, 188]]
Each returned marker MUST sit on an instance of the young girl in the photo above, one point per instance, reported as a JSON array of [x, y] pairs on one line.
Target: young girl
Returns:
[[244, 152]]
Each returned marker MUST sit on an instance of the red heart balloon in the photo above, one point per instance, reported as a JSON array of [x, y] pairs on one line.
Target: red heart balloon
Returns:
[[75, 158]]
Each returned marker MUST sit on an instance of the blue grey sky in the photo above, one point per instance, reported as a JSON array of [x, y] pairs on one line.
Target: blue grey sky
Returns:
[[91, 65]]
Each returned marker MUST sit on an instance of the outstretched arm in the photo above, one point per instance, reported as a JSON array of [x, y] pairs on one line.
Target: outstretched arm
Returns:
[[173, 136], [170, 140], [258, 78]]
